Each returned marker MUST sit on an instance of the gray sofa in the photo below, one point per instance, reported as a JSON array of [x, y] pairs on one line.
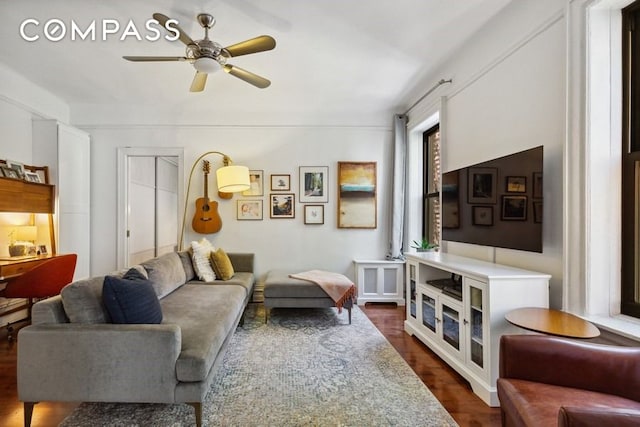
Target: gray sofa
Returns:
[[72, 353]]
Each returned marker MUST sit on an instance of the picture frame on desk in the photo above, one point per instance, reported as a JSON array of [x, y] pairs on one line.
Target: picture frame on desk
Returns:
[[42, 249]]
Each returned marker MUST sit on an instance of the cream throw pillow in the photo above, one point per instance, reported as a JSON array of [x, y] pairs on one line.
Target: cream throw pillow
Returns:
[[201, 260]]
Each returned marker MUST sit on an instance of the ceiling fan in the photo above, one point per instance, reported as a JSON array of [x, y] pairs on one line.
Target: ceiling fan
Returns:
[[208, 56]]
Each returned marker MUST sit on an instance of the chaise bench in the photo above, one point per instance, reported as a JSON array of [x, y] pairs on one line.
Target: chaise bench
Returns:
[[282, 291]]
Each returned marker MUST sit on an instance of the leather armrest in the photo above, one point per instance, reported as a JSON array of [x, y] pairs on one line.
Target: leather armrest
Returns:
[[587, 417], [569, 363]]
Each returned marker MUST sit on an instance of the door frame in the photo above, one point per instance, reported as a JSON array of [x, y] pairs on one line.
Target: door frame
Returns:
[[122, 219]]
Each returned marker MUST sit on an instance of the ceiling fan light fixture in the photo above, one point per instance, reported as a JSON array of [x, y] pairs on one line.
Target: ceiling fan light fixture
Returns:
[[206, 65]]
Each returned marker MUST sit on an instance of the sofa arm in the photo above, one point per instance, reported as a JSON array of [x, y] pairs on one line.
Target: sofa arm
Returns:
[[242, 261], [587, 417], [578, 364], [98, 362]]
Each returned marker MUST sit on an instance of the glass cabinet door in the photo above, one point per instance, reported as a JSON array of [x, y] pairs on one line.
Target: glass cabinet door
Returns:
[[428, 312], [451, 325], [476, 341], [411, 289]]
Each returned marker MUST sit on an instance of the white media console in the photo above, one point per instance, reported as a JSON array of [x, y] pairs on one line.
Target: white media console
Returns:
[[456, 306]]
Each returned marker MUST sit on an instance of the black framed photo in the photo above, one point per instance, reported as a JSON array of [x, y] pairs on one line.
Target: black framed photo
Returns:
[[482, 185], [514, 208], [482, 215], [516, 184]]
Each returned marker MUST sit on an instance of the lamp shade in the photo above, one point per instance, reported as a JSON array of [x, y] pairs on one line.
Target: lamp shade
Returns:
[[27, 233], [232, 178]]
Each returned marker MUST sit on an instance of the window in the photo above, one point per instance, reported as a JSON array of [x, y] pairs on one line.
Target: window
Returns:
[[630, 288], [431, 185]]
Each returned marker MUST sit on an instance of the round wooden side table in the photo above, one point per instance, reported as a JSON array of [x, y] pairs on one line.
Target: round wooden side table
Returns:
[[552, 322]]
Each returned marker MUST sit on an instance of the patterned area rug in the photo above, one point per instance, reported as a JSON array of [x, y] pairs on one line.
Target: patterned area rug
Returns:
[[305, 368]]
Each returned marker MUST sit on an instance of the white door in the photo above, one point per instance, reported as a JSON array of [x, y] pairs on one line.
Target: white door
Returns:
[[149, 190], [152, 207]]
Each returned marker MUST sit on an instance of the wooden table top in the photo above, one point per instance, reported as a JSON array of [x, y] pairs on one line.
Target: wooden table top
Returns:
[[553, 322]]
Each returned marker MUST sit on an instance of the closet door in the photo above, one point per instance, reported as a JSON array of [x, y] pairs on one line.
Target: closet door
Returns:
[[152, 207]]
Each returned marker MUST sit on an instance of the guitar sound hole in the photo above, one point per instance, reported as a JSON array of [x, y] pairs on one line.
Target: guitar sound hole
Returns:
[[206, 208]]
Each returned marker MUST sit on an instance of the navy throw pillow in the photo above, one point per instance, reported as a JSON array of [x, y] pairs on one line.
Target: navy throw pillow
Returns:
[[131, 299]]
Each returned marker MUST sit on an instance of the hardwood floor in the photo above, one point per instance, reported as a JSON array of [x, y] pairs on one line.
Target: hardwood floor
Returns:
[[449, 387]]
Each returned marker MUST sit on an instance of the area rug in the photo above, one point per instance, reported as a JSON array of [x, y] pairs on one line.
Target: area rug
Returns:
[[307, 367]]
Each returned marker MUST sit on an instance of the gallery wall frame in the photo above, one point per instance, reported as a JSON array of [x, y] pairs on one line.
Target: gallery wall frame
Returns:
[[283, 205], [482, 185], [256, 183], [314, 214], [314, 184], [357, 195], [537, 185], [249, 210], [280, 182]]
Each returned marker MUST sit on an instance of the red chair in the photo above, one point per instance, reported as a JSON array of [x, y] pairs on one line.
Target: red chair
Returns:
[[43, 281]]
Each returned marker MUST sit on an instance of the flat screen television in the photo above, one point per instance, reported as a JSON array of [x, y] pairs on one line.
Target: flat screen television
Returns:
[[496, 203]]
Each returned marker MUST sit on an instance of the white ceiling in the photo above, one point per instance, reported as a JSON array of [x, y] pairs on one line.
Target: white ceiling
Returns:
[[342, 56]]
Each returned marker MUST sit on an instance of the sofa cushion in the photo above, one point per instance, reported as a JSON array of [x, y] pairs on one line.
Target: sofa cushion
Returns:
[[201, 253], [166, 273], [206, 315], [222, 264], [187, 264], [82, 301], [532, 403], [131, 299], [240, 278]]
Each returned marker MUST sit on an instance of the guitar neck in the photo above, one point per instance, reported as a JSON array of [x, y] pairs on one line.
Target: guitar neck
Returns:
[[206, 186]]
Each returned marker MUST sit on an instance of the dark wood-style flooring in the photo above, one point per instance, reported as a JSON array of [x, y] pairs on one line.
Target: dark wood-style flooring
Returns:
[[449, 387]]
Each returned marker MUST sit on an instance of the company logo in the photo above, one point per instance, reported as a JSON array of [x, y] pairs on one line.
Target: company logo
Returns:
[[56, 29]]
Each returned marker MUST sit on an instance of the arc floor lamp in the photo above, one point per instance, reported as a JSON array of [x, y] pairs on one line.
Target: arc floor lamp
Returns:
[[231, 179]]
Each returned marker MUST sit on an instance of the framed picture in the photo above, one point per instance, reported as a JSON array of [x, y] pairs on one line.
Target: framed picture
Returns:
[[314, 184], [18, 167], [249, 210], [280, 182], [537, 185], [42, 249], [256, 184], [283, 205], [357, 202], [32, 177], [9, 172], [516, 184], [537, 212], [514, 208], [314, 214], [482, 215], [482, 185]]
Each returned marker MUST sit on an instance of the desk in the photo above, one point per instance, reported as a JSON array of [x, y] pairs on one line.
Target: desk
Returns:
[[552, 322], [12, 268]]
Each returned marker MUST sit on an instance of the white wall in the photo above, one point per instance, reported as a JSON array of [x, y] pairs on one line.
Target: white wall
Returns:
[[508, 95], [277, 243]]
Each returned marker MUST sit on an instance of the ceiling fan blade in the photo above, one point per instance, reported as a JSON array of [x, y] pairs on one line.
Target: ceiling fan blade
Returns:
[[254, 45], [247, 76], [154, 58], [184, 38], [198, 82]]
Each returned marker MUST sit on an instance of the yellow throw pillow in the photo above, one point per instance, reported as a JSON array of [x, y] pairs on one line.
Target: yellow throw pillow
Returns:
[[222, 264]]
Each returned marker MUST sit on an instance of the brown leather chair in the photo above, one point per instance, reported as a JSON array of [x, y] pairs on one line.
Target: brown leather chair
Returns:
[[548, 381], [44, 280]]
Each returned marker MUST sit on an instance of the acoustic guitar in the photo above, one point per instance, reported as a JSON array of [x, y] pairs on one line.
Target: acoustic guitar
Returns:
[[206, 220]]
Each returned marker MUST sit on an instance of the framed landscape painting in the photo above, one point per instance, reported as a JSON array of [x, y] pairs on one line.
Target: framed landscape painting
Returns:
[[314, 184], [357, 202], [283, 205]]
